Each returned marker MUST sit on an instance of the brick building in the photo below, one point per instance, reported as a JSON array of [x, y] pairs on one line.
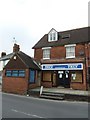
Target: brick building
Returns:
[[21, 73], [65, 58]]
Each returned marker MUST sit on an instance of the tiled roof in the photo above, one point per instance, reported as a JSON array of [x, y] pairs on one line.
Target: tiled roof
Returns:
[[29, 62], [6, 57], [75, 36]]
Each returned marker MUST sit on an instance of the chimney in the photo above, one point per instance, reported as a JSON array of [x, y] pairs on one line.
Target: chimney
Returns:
[[16, 48], [3, 54]]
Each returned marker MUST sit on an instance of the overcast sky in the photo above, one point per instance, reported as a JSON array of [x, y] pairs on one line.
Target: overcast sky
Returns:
[[29, 20]]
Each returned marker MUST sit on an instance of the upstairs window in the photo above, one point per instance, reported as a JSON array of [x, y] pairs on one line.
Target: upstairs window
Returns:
[[52, 35], [70, 51], [46, 53]]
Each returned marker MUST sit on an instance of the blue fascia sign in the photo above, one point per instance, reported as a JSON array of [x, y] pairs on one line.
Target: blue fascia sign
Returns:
[[69, 66]]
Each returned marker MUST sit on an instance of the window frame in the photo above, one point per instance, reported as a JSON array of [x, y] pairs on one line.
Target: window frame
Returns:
[[34, 74], [52, 35], [21, 72], [69, 54], [76, 72], [45, 53], [45, 73], [6, 72], [13, 72]]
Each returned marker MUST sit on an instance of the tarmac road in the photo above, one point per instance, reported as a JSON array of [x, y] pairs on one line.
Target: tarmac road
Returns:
[[16, 106]]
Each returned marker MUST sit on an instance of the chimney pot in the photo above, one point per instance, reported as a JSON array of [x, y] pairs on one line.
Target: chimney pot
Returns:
[[16, 48]]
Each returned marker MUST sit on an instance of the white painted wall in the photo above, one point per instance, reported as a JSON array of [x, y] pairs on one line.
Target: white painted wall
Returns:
[[2, 64]]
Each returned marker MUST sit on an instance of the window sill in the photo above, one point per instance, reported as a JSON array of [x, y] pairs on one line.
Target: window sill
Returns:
[[46, 58], [72, 82], [52, 40], [70, 57]]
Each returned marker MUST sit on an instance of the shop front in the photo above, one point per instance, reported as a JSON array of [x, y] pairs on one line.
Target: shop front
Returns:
[[65, 75]]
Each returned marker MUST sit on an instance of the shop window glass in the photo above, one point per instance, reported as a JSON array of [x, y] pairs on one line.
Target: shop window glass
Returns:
[[76, 76], [46, 76]]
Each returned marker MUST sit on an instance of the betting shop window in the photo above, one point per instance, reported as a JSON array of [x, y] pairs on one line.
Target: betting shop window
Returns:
[[47, 76], [76, 76]]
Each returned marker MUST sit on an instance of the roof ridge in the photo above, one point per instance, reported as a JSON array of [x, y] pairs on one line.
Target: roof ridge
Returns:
[[21, 59], [27, 60], [73, 29]]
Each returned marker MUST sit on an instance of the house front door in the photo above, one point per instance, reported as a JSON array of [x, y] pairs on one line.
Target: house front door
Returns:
[[63, 79]]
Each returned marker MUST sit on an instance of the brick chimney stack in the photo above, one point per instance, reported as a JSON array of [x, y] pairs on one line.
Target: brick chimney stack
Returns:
[[16, 48], [3, 54]]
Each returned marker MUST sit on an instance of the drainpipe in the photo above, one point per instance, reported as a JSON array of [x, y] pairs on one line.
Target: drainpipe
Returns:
[[87, 64]]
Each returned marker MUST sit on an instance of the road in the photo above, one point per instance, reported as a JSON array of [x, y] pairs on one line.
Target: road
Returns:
[[16, 106]]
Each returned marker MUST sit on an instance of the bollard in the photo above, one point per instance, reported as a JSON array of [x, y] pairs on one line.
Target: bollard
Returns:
[[41, 89]]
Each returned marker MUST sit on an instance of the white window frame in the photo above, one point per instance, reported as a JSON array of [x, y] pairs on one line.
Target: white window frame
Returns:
[[52, 35], [69, 46], [46, 48]]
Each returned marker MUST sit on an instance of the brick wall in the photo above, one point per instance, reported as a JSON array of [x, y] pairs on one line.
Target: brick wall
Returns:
[[80, 50], [15, 85], [78, 86], [38, 54], [58, 55], [46, 84], [59, 52]]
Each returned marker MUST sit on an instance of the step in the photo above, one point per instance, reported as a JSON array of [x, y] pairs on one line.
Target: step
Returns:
[[53, 94], [52, 97]]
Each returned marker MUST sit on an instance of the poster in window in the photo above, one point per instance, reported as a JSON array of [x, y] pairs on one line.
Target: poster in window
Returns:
[[60, 75], [73, 76]]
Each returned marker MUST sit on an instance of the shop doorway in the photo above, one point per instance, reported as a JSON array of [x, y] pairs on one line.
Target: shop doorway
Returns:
[[63, 79]]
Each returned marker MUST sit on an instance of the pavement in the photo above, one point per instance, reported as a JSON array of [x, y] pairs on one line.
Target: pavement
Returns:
[[59, 93], [62, 90]]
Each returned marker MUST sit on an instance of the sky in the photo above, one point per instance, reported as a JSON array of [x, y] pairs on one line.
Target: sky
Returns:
[[28, 20]]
